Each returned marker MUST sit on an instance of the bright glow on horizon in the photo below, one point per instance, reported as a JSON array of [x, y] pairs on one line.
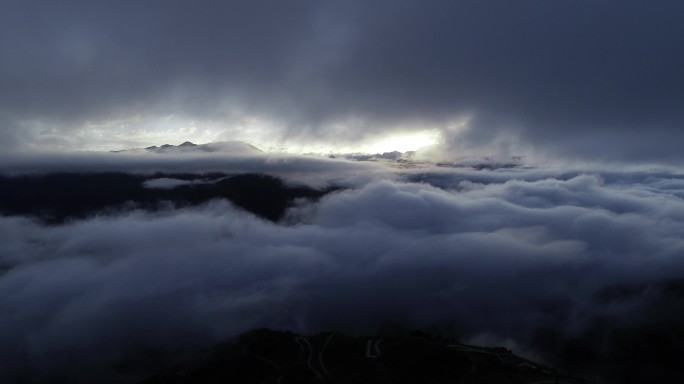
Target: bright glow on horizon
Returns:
[[404, 142], [138, 131]]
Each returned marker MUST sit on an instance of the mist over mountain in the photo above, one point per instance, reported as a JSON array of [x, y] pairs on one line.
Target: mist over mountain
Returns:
[[58, 197], [233, 147], [503, 174]]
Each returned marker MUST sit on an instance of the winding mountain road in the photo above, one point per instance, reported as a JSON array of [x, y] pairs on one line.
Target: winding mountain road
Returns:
[[307, 351]]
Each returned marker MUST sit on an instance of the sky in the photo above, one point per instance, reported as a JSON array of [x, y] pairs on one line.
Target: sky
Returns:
[[558, 79], [546, 214]]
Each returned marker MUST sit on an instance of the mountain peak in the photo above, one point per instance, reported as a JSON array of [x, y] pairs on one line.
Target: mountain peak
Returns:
[[235, 147]]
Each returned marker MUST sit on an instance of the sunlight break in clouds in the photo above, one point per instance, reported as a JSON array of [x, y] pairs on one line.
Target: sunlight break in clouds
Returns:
[[403, 142]]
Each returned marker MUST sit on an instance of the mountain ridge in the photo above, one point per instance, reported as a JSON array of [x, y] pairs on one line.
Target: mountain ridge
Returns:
[[232, 146], [282, 357]]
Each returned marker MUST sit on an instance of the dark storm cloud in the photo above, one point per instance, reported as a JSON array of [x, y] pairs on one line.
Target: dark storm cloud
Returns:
[[499, 257], [81, 58], [587, 78]]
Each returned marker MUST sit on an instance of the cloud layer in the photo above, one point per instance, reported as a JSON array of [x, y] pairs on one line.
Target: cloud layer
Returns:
[[536, 261]]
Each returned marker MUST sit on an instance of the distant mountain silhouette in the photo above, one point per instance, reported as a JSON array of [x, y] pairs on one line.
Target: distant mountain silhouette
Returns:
[[233, 147], [265, 356]]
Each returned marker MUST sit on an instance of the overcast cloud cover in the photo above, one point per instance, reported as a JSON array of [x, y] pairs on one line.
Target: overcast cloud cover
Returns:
[[571, 263], [591, 79]]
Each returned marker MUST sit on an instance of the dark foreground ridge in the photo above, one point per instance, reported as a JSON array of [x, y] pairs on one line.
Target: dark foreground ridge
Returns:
[[57, 197], [265, 357]]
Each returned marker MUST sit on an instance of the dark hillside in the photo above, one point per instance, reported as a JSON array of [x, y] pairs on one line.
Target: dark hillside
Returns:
[[57, 197]]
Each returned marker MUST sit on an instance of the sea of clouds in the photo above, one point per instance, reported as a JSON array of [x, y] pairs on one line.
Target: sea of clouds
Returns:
[[532, 258]]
